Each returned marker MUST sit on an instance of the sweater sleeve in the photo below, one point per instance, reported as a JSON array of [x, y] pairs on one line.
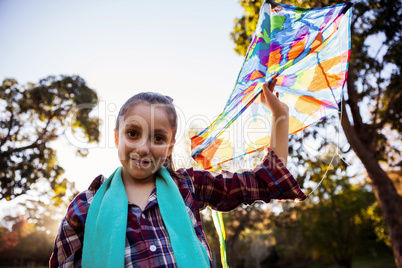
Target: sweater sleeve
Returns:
[[226, 190]]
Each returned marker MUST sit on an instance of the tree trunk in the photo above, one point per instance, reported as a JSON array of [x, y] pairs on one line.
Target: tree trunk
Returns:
[[384, 190]]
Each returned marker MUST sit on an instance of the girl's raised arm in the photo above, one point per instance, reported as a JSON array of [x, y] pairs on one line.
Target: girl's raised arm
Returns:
[[280, 120]]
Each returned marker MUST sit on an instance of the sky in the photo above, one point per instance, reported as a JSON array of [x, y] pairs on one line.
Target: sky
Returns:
[[178, 48]]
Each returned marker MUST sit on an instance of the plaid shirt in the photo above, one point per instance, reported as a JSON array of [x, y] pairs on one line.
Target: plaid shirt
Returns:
[[147, 240]]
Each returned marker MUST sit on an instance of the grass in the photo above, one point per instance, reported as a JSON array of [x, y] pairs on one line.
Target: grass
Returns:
[[362, 262], [387, 262]]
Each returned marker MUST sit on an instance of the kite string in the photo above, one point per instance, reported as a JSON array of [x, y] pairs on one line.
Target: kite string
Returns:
[[336, 151]]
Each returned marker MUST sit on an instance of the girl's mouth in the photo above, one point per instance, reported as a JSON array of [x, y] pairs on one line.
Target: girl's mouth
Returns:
[[142, 163]]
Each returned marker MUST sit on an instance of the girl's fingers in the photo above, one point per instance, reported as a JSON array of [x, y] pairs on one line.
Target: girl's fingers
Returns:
[[265, 86], [272, 85], [269, 86]]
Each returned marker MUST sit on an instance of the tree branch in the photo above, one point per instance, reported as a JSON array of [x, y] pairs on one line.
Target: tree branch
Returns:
[[387, 113], [35, 143], [353, 137], [10, 126], [41, 137], [352, 102], [379, 90]]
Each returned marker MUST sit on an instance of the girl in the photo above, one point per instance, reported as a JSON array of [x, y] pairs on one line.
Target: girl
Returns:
[[146, 214]]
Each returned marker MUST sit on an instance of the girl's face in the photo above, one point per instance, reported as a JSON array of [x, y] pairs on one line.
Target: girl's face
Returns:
[[144, 141]]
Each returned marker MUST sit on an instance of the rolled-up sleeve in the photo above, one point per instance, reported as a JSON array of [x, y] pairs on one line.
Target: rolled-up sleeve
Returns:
[[226, 190]]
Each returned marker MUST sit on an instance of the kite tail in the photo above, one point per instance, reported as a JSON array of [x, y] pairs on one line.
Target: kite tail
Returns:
[[220, 229]]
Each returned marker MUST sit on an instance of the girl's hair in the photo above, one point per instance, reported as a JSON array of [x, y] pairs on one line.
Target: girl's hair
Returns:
[[153, 98]]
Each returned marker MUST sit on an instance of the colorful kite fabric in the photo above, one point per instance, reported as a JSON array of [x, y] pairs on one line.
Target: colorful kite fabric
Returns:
[[309, 50]]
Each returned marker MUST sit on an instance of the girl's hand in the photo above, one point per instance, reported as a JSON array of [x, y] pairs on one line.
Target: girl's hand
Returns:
[[271, 100]]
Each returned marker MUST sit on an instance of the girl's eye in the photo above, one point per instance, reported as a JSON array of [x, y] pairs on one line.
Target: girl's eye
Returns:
[[132, 134], [159, 138]]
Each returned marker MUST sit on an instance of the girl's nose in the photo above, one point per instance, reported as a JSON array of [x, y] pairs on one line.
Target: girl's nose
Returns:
[[144, 146]]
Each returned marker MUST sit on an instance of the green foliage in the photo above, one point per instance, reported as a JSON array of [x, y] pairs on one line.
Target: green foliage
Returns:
[[334, 223], [245, 26], [33, 116]]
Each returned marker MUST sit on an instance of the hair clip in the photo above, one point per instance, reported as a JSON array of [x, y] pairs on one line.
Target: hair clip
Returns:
[[169, 98]]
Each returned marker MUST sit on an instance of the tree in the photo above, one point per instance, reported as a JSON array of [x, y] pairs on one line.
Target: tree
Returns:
[[28, 239], [32, 117], [372, 110]]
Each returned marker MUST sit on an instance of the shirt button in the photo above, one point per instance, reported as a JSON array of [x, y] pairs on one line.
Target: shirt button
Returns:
[[152, 248]]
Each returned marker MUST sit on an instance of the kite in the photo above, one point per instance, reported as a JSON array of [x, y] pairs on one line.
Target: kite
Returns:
[[309, 50]]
